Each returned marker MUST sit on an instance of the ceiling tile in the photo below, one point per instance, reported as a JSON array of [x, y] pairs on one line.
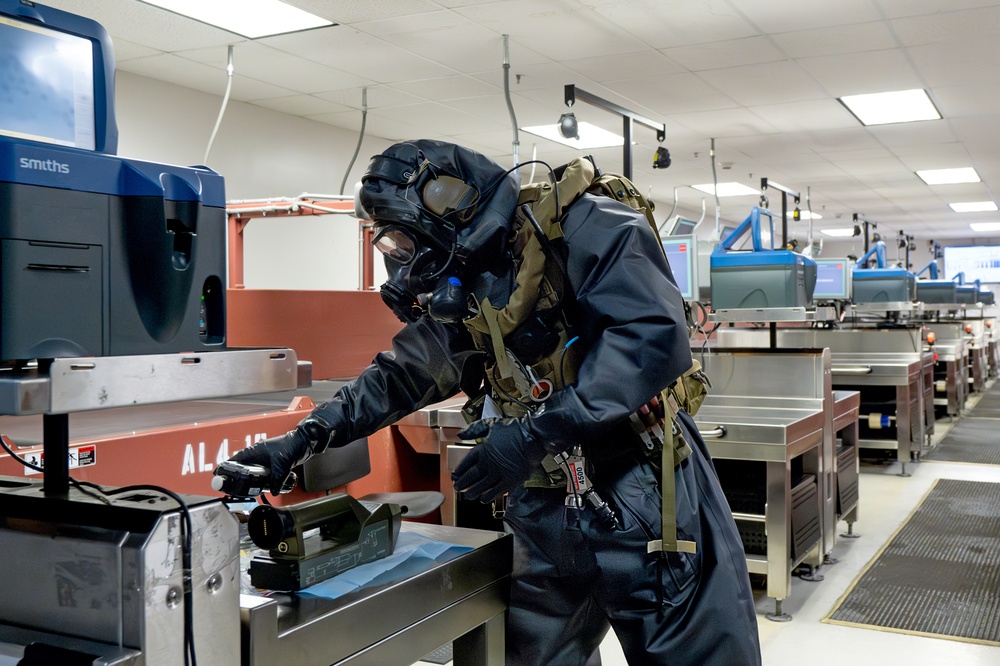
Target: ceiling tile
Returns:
[[340, 46], [673, 93], [855, 38], [715, 55], [270, 65], [813, 116], [950, 26], [859, 73], [725, 123], [377, 97], [450, 39], [447, 88], [899, 8], [789, 16], [952, 63], [664, 24], [535, 22], [625, 66], [769, 83]]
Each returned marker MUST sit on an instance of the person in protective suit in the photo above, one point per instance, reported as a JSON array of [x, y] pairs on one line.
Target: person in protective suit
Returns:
[[444, 217]]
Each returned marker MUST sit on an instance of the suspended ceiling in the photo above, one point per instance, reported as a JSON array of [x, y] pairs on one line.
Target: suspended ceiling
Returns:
[[761, 77]]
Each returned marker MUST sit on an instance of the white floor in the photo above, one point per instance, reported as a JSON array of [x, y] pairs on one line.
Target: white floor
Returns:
[[886, 500]]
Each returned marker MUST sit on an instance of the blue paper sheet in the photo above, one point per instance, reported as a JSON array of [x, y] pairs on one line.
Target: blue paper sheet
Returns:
[[413, 553]]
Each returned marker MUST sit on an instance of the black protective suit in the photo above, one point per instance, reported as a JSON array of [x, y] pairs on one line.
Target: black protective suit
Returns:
[[571, 582]]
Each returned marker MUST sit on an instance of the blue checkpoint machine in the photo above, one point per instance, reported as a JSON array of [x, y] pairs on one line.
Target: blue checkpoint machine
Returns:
[[882, 284], [100, 255], [761, 277], [934, 290]]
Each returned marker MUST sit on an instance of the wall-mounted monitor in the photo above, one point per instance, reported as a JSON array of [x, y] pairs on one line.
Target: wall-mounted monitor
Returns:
[[833, 279], [679, 226], [56, 78], [682, 255], [981, 262]]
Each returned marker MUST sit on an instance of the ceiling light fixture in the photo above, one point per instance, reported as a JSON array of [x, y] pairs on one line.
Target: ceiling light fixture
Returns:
[[731, 189], [902, 106], [804, 215], [949, 176], [985, 226], [973, 207], [588, 136], [251, 18], [839, 233]]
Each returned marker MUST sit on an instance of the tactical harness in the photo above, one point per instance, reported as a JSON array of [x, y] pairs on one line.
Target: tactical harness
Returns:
[[529, 342]]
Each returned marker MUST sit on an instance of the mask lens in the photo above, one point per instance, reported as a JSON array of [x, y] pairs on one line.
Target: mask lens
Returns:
[[395, 243]]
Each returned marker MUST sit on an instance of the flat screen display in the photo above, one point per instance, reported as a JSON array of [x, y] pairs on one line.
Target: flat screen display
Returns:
[[980, 262], [681, 227], [833, 279], [682, 252], [46, 85]]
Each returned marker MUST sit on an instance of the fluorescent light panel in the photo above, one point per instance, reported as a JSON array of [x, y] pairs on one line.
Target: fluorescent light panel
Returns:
[[973, 207], [985, 226], [731, 189], [839, 233], [949, 176], [591, 136], [250, 18], [901, 106]]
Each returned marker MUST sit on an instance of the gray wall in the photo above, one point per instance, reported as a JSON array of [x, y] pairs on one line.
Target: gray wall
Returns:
[[261, 153]]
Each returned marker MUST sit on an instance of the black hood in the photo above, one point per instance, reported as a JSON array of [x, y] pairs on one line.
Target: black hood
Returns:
[[479, 240]]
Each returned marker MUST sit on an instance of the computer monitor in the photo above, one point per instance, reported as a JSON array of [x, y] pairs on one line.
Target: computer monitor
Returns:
[[56, 78], [833, 279], [680, 226], [682, 255]]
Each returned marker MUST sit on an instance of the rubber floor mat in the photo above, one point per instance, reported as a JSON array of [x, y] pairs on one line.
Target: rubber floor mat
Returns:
[[988, 406], [972, 440], [939, 575]]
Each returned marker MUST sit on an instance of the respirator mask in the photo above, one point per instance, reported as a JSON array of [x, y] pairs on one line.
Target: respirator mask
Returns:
[[419, 280]]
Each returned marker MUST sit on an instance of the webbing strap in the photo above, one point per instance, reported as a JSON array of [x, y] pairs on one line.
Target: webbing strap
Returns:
[[668, 541], [496, 338]]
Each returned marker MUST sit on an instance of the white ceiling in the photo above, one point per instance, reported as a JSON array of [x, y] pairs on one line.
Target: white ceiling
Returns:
[[761, 77]]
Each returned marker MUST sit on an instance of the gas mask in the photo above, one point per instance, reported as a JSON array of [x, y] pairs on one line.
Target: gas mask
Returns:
[[438, 220], [419, 280]]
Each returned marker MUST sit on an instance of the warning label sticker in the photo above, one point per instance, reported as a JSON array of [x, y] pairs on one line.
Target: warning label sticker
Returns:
[[79, 456]]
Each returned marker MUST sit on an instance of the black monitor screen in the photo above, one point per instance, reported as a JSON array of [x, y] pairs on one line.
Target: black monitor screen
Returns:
[[833, 279], [681, 254], [46, 85]]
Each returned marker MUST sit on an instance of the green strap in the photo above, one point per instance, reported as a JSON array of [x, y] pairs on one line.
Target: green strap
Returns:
[[496, 338], [668, 541]]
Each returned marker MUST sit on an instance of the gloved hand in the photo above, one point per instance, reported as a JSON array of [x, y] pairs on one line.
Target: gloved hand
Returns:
[[500, 462], [280, 454]]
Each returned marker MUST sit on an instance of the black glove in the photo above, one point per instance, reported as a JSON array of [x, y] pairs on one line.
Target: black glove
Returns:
[[280, 454], [500, 462]]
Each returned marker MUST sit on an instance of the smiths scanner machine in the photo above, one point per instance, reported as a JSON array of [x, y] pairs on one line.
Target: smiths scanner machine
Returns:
[[101, 257]]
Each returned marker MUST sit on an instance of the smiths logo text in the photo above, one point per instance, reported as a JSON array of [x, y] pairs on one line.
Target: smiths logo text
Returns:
[[44, 165]]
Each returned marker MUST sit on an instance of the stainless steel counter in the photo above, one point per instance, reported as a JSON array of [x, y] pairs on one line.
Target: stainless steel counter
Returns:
[[862, 358], [774, 431], [463, 599]]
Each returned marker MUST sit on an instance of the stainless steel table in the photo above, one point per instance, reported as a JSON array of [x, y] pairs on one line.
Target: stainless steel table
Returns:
[[463, 600], [774, 431]]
